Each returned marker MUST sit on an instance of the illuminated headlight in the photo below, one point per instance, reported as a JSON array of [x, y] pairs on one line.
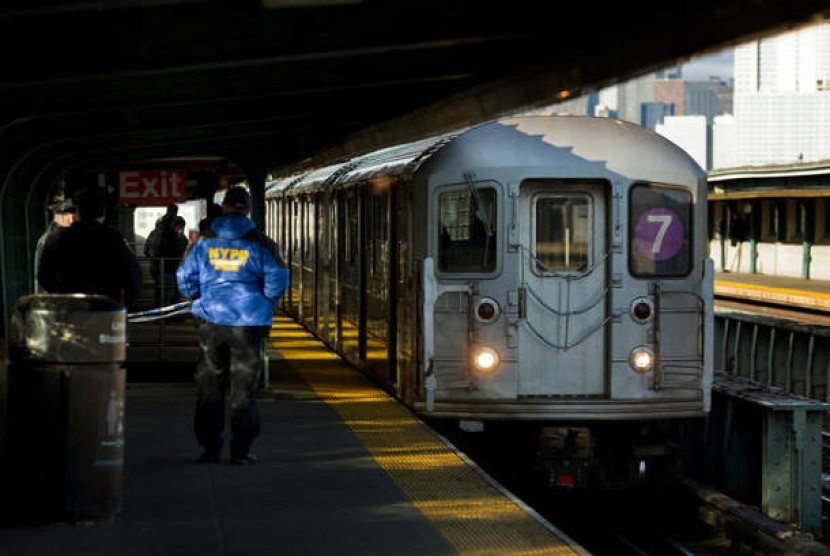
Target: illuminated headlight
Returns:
[[486, 359], [487, 310], [642, 309], [642, 359]]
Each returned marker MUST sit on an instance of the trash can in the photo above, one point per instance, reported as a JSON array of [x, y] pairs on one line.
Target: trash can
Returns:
[[65, 407]]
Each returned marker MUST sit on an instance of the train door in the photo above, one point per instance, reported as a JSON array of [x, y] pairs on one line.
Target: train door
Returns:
[[406, 311], [377, 284], [563, 286], [325, 269], [338, 230], [349, 259], [295, 255], [308, 265], [286, 233]]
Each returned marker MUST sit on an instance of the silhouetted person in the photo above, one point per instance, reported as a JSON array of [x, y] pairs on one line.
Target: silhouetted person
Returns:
[[160, 245], [63, 214], [151, 250], [172, 250], [213, 211], [737, 235], [89, 256], [737, 229]]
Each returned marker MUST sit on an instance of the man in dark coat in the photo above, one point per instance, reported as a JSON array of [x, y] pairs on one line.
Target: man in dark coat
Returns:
[[89, 256]]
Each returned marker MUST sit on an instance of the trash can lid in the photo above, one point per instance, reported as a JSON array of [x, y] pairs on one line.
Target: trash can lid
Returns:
[[68, 303], [67, 328]]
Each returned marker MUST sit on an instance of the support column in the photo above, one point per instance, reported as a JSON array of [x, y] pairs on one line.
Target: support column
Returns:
[[765, 446], [791, 480]]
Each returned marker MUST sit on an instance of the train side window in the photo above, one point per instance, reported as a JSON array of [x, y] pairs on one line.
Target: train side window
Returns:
[[660, 231], [563, 233], [378, 243], [309, 233], [350, 218], [467, 231], [297, 223]]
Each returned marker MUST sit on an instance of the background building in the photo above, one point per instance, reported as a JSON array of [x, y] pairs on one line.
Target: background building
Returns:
[[776, 109], [684, 111], [782, 98], [723, 141], [689, 133]]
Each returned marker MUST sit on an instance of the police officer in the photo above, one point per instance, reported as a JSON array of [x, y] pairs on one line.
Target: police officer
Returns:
[[90, 256], [235, 278], [63, 213]]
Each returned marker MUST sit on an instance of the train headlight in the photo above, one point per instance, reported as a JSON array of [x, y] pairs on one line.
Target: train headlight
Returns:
[[485, 359], [642, 309], [487, 310], [641, 359]]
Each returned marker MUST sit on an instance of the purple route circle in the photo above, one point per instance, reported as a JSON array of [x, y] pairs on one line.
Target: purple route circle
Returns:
[[659, 234]]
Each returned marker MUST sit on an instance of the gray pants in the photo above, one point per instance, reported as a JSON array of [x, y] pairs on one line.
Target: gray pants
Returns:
[[228, 371]]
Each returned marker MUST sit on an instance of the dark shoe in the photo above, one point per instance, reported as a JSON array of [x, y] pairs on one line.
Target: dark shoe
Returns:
[[208, 457], [244, 460]]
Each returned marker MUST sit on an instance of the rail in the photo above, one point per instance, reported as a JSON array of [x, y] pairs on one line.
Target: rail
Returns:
[[158, 317]]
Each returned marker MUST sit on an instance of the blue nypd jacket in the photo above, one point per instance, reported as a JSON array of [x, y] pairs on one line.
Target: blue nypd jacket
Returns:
[[235, 278]]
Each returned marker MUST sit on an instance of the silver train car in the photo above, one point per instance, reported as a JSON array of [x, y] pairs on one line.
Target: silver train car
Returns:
[[547, 277]]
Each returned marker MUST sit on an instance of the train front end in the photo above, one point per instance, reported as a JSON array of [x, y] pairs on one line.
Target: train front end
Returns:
[[567, 284]]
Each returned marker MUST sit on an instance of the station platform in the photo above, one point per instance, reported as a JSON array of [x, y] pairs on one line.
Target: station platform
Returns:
[[343, 469], [777, 290]]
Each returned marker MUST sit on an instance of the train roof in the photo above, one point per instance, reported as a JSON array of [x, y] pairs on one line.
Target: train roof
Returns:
[[610, 145], [390, 160]]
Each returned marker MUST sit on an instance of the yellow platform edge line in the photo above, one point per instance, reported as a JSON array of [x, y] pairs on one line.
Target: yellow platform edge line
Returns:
[[471, 512], [770, 289]]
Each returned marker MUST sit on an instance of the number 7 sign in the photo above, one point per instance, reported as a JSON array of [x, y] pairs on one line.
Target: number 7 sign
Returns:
[[659, 234]]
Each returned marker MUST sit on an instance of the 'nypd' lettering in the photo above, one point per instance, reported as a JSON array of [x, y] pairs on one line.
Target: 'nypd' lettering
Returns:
[[229, 260]]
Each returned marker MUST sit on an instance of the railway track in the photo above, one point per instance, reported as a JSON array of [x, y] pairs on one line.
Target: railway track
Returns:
[[685, 519], [679, 517], [675, 517]]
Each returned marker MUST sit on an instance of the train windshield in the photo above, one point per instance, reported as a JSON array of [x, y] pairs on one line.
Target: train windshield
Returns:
[[660, 231], [563, 233], [467, 230]]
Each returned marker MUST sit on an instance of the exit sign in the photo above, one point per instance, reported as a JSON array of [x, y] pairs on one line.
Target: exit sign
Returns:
[[151, 187]]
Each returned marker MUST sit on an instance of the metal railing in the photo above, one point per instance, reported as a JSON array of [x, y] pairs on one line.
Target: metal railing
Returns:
[[789, 356], [160, 327]]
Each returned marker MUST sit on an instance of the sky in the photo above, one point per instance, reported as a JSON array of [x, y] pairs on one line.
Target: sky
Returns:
[[718, 64]]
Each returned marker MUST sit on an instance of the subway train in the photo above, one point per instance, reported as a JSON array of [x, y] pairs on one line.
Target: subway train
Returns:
[[542, 279]]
